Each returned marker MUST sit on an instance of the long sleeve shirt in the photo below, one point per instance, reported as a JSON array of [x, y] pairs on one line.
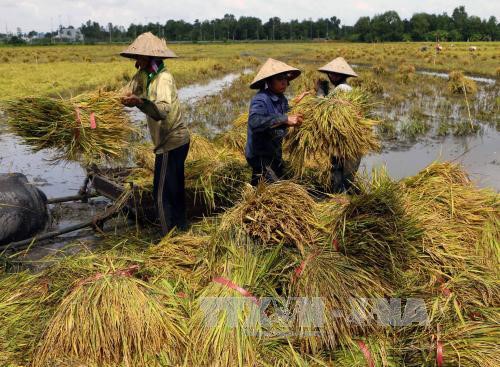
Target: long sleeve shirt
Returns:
[[162, 108], [265, 132]]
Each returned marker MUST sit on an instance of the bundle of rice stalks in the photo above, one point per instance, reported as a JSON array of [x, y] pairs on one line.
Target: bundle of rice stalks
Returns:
[[227, 327], [454, 215], [473, 344], [307, 81], [406, 73], [26, 304], [200, 147], [376, 350], [368, 83], [379, 69], [375, 229], [180, 257], [280, 213], [336, 126], [470, 295], [458, 83], [143, 155], [91, 128], [114, 319], [280, 352], [216, 180], [335, 300], [236, 137]]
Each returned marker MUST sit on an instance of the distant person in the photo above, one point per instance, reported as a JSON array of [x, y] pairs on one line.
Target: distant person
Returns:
[[338, 71], [268, 121], [154, 92]]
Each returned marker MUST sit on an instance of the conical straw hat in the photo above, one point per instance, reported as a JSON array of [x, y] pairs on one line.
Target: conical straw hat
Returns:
[[339, 66], [273, 67], [147, 44]]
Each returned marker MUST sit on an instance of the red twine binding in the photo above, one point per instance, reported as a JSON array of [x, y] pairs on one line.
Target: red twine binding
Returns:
[[444, 290], [300, 269], [335, 244], [93, 124], [439, 354], [366, 353], [242, 291]]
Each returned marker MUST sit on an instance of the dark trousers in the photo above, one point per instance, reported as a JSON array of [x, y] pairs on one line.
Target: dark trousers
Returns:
[[168, 189], [343, 174], [267, 169]]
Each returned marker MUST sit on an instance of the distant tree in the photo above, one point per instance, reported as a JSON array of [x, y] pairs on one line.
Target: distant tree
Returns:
[[387, 26]]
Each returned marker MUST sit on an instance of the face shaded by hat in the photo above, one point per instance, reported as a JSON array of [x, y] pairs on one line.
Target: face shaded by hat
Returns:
[[273, 68], [338, 66], [148, 45]]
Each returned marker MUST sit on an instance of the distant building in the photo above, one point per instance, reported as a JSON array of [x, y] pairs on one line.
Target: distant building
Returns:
[[69, 35]]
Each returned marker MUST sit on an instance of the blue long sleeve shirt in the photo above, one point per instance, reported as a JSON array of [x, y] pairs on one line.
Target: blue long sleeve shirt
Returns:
[[264, 139]]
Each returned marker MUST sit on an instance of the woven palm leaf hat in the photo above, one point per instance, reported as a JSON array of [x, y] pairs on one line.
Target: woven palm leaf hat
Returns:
[[271, 68], [147, 44], [339, 66]]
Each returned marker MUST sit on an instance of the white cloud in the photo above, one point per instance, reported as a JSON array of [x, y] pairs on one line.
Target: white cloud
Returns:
[[39, 14]]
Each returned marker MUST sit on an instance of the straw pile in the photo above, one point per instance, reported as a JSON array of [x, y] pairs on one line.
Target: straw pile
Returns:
[[25, 307], [111, 319], [375, 229], [225, 328], [342, 286], [91, 128], [180, 257], [216, 180], [197, 296], [236, 137], [214, 175], [368, 83], [281, 213], [458, 83], [454, 215], [374, 351], [472, 344], [336, 126], [406, 73]]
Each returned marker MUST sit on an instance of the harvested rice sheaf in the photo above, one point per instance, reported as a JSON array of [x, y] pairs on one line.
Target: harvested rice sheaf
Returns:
[[113, 319], [458, 83], [226, 327], [338, 125], [375, 229], [91, 128], [459, 221], [472, 344], [179, 257], [336, 296], [26, 304], [217, 180], [377, 350], [214, 175], [273, 214], [236, 137]]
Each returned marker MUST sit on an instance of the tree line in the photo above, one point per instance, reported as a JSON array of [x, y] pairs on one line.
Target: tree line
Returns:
[[385, 27]]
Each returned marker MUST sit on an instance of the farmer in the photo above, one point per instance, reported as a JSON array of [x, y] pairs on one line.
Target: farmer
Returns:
[[338, 71], [268, 120], [153, 91]]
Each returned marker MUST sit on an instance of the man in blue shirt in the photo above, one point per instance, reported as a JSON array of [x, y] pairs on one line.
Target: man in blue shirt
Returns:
[[268, 120]]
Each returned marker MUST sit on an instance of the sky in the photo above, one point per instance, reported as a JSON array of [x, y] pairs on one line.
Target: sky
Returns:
[[44, 15]]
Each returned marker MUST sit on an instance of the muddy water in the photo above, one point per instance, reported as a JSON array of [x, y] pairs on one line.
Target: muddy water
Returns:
[[479, 154]]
